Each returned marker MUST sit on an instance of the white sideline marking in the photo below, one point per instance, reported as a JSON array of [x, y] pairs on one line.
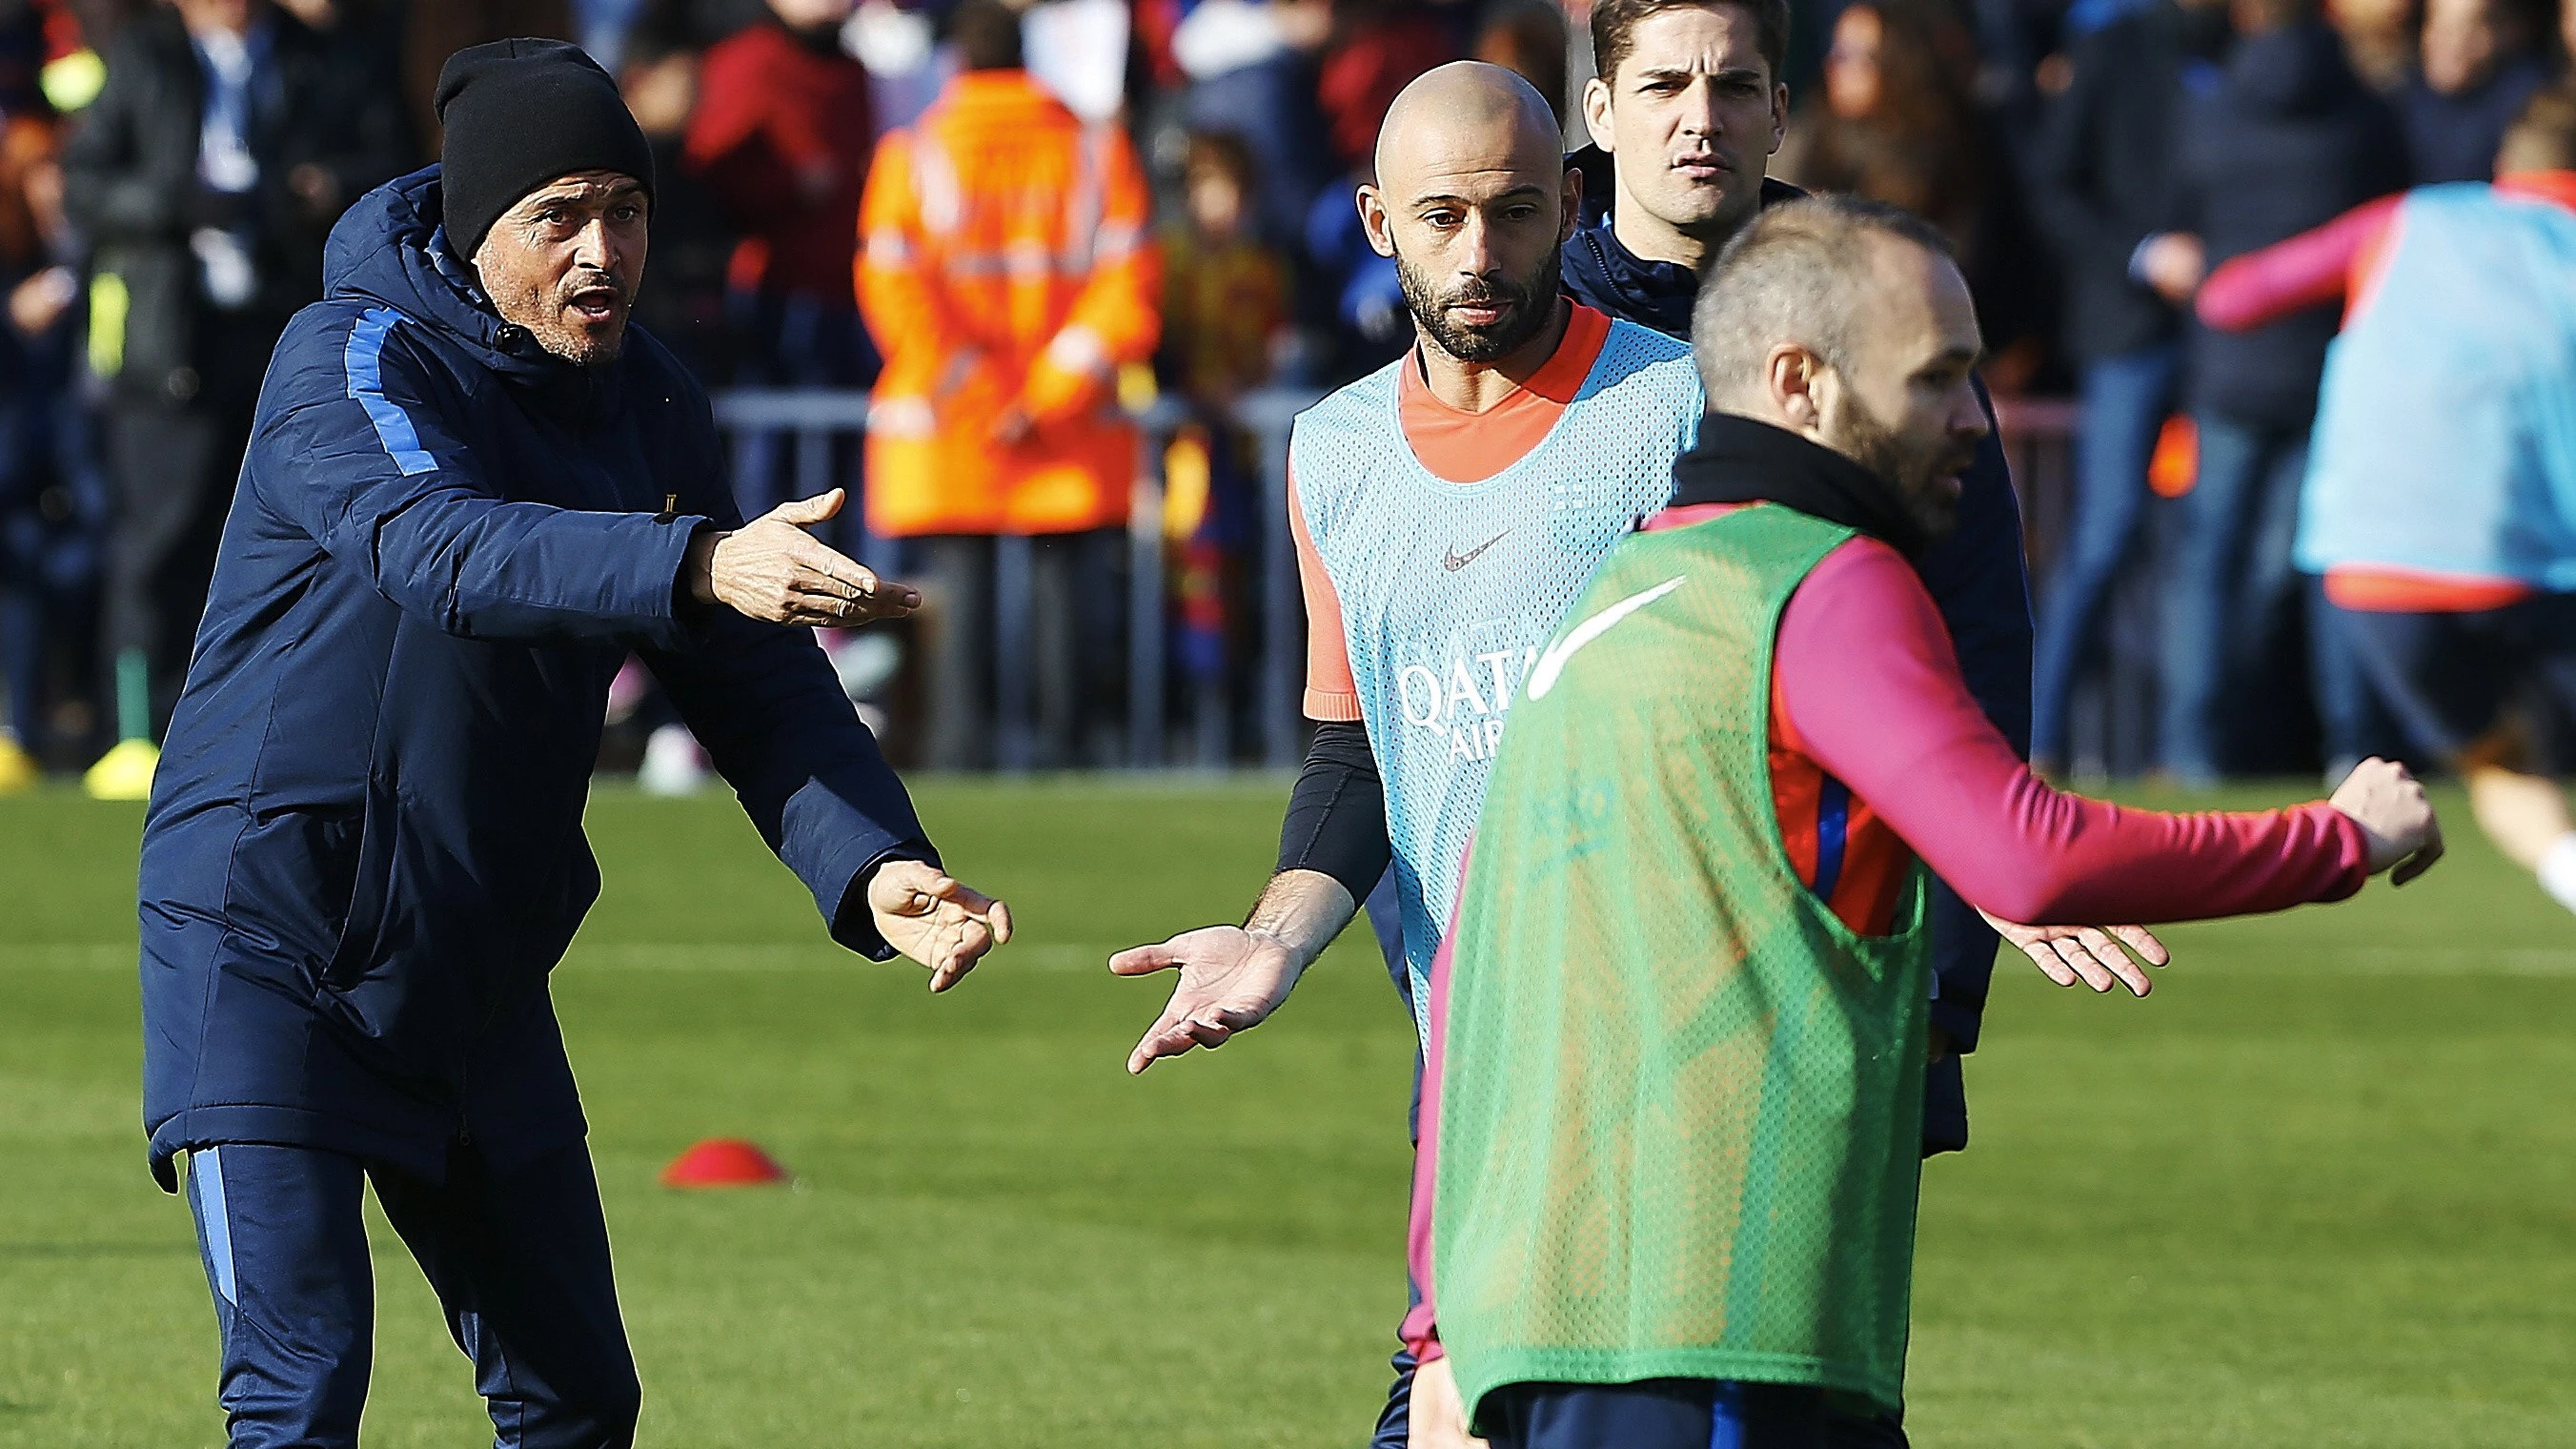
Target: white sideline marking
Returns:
[[629, 956], [2432, 962], [66, 957], [684, 956], [2451, 961]]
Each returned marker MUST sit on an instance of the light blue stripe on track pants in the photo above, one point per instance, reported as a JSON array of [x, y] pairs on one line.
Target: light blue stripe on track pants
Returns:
[[519, 1261]]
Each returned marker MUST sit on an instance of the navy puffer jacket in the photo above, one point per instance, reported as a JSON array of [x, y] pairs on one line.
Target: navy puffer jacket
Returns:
[[364, 851]]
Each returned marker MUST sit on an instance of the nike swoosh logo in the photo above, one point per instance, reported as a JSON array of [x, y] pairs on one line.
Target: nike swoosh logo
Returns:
[[1453, 560], [1552, 663]]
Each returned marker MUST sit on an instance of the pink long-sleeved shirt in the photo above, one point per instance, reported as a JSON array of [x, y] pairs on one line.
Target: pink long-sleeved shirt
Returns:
[[1867, 691]]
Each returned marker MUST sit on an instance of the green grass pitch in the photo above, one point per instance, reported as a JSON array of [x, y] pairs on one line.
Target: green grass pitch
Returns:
[[2319, 1190]]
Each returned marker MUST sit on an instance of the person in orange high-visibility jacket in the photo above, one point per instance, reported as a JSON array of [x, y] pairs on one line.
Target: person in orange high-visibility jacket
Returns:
[[1007, 274]]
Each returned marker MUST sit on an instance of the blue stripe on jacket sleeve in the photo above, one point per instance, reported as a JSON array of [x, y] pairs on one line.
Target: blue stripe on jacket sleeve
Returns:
[[363, 361], [1833, 821]]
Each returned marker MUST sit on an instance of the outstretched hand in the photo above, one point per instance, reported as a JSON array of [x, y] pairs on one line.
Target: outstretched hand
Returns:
[[771, 569], [1231, 979], [935, 919], [2090, 954]]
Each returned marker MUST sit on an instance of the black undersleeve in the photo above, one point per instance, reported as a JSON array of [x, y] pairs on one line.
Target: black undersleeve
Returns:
[[1337, 814]]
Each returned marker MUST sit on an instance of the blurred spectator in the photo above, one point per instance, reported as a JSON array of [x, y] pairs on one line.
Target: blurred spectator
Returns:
[[2102, 188], [433, 30], [76, 32], [228, 139], [23, 46], [1378, 48], [1078, 50], [1007, 277], [357, 51], [682, 303], [604, 26], [695, 24], [2481, 63], [52, 505], [2379, 37], [2013, 40], [1251, 67], [782, 136], [1527, 37], [1892, 123], [683, 299], [1225, 296], [1368, 290], [1252, 71], [2289, 139], [1897, 122], [900, 48], [1225, 318]]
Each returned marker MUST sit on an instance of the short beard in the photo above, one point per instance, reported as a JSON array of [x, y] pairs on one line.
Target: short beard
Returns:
[[545, 325], [579, 348], [1528, 304], [1917, 472]]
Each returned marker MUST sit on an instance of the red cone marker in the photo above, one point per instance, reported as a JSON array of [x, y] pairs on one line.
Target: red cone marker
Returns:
[[723, 1162]]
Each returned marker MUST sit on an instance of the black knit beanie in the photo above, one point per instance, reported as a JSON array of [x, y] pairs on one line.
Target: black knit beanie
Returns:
[[521, 113]]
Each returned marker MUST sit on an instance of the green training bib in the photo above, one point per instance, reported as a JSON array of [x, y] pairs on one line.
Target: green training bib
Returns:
[[1681, 1115]]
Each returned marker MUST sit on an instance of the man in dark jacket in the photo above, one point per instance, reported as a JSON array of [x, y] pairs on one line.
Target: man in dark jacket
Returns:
[[2288, 139], [2482, 62], [2102, 189], [1685, 134], [205, 178], [470, 492]]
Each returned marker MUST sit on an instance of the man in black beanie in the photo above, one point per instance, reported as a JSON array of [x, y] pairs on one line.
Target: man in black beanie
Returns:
[[470, 492], [539, 143]]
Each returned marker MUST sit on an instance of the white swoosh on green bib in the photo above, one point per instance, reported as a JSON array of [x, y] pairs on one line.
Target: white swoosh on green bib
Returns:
[[1552, 663]]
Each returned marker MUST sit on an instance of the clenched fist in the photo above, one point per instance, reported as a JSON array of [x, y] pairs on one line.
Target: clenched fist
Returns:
[[2390, 805], [771, 569]]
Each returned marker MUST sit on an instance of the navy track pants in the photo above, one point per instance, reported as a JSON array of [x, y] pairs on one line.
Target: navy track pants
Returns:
[[519, 1261], [1679, 1414]]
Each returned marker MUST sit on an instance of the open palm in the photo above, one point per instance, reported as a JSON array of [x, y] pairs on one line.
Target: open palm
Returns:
[[1231, 979]]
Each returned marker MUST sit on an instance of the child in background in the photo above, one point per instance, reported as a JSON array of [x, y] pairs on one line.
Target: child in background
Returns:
[[1225, 296], [1225, 323]]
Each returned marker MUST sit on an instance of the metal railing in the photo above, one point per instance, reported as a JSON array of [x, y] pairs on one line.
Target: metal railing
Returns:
[[816, 433], [1267, 415], [809, 439], [2111, 719]]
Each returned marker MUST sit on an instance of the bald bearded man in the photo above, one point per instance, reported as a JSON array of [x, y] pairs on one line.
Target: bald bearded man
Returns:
[[1446, 511]]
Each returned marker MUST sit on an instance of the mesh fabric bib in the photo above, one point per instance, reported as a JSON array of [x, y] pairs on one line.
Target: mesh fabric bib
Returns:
[[1447, 589], [1682, 1105]]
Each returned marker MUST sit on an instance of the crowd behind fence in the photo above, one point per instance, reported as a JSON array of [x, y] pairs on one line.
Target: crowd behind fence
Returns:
[[2099, 165], [1195, 730]]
